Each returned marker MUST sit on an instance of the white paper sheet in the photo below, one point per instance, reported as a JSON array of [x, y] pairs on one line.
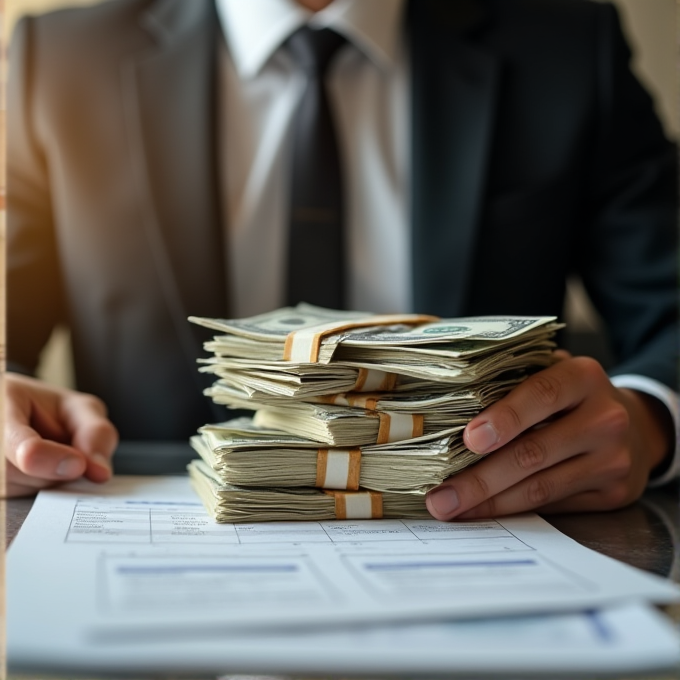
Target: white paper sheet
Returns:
[[138, 565], [626, 639]]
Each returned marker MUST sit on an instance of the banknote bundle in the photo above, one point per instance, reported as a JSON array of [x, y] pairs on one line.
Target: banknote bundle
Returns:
[[229, 503], [355, 415], [294, 345], [244, 454], [350, 419]]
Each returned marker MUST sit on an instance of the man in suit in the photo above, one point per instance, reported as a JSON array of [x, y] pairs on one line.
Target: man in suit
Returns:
[[491, 148]]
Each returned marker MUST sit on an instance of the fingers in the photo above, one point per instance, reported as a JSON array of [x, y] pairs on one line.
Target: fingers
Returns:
[[485, 483], [19, 484], [45, 459], [600, 481], [584, 483], [37, 463], [508, 466], [563, 441], [555, 389], [85, 416], [54, 435], [38, 453]]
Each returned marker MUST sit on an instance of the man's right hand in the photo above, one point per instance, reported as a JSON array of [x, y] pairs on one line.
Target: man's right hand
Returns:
[[53, 435]]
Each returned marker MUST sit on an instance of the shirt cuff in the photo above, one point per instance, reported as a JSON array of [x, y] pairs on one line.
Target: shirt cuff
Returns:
[[672, 401]]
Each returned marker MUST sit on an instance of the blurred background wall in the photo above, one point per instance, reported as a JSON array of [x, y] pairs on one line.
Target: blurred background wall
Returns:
[[652, 29]]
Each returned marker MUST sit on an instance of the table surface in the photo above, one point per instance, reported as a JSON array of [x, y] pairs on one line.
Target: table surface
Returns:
[[645, 534]]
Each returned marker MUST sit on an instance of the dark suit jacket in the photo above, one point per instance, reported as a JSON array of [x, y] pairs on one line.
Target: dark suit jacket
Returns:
[[535, 154]]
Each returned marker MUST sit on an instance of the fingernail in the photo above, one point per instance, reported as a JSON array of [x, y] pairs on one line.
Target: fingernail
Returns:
[[69, 468], [444, 501], [482, 437], [101, 459]]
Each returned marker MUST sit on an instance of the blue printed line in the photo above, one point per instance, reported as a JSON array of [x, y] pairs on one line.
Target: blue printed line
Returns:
[[603, 631], [429, 565], [288, 568]]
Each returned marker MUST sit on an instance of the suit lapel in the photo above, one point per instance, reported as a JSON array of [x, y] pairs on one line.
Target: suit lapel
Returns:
[[169, 95], [169, 91], [454, 90]]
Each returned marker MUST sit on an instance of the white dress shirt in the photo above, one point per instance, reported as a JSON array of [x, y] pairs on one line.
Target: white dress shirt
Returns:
[[368, 90], [369, 86]]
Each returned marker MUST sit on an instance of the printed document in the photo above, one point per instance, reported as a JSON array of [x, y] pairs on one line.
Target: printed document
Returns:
[[138, 566]]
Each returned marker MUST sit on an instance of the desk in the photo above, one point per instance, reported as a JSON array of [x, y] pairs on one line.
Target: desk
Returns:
[[645, 534]]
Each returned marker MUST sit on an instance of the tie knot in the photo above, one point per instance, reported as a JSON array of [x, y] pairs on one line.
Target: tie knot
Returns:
[[314, 49]]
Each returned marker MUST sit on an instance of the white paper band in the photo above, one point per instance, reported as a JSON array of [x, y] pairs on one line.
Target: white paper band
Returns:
[[358, 506], [337, 469]]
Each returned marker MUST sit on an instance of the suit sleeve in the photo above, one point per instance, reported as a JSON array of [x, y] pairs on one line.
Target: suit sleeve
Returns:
[[34, 290], [629, 258]]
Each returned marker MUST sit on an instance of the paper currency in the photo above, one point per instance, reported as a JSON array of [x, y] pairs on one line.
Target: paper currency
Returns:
[[300, 381], [271, 336], [228, 503], [305, 334], [431, 397], [242, 454], [356, 415]]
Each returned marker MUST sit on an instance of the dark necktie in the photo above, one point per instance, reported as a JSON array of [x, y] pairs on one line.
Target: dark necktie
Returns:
[[316, 244]]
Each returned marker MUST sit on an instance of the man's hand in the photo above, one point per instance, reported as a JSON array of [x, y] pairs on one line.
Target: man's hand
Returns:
[[564, 440], [53, 435]]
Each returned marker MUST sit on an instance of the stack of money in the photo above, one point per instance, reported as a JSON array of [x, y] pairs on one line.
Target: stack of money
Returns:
[[351, 419], [229, 503], [246, 455], [348, 404]]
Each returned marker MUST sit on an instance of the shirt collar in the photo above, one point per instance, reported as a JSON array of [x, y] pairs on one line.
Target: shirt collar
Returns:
[[255, 29]]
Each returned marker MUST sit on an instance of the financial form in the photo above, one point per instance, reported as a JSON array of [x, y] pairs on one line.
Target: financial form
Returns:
[[137, 565]]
